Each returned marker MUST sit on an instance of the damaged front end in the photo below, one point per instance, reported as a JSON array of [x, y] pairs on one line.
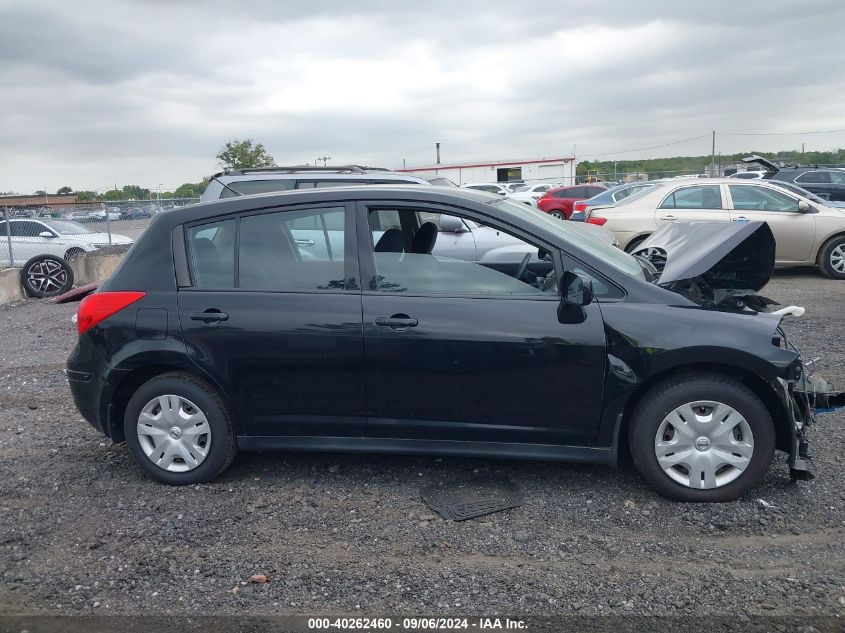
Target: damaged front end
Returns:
[[722, 266]]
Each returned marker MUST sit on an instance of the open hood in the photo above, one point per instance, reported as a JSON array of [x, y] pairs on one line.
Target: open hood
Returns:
[[765, 163], [712, 263]]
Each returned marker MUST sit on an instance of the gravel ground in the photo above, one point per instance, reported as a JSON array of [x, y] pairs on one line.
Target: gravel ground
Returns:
[[83, 531]]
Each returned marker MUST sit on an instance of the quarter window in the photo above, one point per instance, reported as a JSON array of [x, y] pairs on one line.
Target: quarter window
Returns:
[[698, 197], [247, 187], [750, 198]]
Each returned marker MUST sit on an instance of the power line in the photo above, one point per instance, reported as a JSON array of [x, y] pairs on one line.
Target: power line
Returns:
[[778, 133], [642, 149]]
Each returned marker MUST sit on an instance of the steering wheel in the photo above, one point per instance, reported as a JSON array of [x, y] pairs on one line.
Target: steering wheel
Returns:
[[522, 266]]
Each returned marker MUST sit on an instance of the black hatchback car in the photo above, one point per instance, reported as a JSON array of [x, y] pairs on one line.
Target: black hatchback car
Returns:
[[320, 320]]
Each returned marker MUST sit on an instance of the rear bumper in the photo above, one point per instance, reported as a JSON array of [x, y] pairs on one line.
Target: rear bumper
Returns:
[[87, 393]]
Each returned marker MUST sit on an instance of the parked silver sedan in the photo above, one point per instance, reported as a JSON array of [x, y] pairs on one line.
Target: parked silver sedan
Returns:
[[807, 232]]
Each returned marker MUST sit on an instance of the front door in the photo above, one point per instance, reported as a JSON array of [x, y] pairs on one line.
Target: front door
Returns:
[[274, 317], [465, 350], [794, 230]]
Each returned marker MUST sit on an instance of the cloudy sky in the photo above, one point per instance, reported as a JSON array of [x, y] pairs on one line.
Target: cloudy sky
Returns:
[[147, 92]]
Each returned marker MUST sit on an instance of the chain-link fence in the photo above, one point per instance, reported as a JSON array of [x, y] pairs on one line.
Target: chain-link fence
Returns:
[[42, 242]]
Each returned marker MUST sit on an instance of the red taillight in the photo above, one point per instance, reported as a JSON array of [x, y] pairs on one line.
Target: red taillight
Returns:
[[579, 206], [599, 221], [101, 305]]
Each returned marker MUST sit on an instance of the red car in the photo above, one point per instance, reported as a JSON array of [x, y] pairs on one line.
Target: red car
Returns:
[[558, 201]]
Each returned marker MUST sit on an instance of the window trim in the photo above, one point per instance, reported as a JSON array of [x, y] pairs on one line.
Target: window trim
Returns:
[[811, 171], [366, 248], [350, 260]]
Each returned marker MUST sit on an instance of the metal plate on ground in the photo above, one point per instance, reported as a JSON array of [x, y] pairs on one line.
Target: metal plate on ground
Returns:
[[461, 500]]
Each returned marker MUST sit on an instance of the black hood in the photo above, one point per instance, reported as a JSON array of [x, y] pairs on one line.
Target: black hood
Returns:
[[709, 261]]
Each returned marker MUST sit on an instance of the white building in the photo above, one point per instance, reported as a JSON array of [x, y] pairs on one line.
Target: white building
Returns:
[[556, 170]]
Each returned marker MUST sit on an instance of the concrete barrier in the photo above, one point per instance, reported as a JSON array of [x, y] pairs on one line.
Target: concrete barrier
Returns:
[[94, 266], [10, 286]]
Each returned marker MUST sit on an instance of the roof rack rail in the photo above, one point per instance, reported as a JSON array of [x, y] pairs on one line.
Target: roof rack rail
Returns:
[[288, 169]]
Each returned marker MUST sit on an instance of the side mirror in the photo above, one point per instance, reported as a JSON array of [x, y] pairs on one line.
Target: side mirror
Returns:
[[45, 234], [805, 207], [451, 224], [577, 290]]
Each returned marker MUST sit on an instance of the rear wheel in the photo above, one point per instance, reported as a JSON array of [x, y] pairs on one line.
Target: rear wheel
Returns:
[[557, 214], [178, 430], [46, 276], [702, 437], [633, 244], [831, 258]]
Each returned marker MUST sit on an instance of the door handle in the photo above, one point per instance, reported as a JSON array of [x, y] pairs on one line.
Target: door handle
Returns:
[[741, 218], [303, 242], [212, 315], [397, 321], [669, 217]]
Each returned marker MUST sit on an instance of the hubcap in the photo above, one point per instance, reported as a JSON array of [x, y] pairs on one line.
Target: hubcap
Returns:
[[837, 258], [704, 444], [174, 433], [47, 276]]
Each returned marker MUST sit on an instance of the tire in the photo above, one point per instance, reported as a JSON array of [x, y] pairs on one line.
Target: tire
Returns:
[[727, 482], [557, 214], [831, 258], [634, 244], [180, 389], [46, 276]]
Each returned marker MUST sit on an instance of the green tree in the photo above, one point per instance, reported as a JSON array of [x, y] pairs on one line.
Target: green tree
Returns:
[[134, 192], [113, 194], [189, 190], [241, 154], [64, 189], [40, 192], [86, 196]]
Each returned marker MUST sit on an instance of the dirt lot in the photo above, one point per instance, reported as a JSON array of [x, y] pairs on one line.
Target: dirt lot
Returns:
[[83, 531]]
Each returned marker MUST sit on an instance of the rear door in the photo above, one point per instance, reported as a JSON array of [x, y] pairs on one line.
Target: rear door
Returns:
[[794, 230], [693, 203], [273, 315]]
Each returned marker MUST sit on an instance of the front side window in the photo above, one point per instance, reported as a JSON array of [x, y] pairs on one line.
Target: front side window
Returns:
[[27, 229], [752, 198], [814, 177], [404, 263], [293, 250], [697, 197]]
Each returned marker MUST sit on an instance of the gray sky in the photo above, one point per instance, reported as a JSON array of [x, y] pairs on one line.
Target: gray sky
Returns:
[[93, 93]]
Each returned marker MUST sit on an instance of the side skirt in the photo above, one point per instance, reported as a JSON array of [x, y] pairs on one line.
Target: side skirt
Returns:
[[577, 454]]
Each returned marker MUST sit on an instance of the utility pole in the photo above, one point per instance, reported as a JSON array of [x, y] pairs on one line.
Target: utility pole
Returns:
[[325, 159], [437, 150], [403, 163], [713, 157], [802, 152]]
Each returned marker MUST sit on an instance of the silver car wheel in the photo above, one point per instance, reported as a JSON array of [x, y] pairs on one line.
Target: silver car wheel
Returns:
[[704, 444], [174, 433], [47, 276], [837, 258], [557, 214]]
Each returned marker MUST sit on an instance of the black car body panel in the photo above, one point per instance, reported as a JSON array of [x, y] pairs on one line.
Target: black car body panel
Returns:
[[826, 182], [510, 377]]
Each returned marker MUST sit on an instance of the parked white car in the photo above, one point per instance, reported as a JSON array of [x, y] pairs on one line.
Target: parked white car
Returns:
[[101, 215], [41, 248], [489, 187], [529, 194], [807, 232]]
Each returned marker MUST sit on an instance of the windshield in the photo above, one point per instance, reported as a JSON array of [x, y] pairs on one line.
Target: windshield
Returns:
[[66, 227], [574, 234], [800, 191]]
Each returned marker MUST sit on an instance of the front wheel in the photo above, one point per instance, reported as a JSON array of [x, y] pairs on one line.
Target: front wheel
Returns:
[[178, 430], [832, 258], [702, 437]]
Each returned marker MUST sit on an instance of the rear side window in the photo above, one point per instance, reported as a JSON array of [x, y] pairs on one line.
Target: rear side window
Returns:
[[247, 187], [698, 197], [212, 254], [814, 177], [575, 192], [293, 250]]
